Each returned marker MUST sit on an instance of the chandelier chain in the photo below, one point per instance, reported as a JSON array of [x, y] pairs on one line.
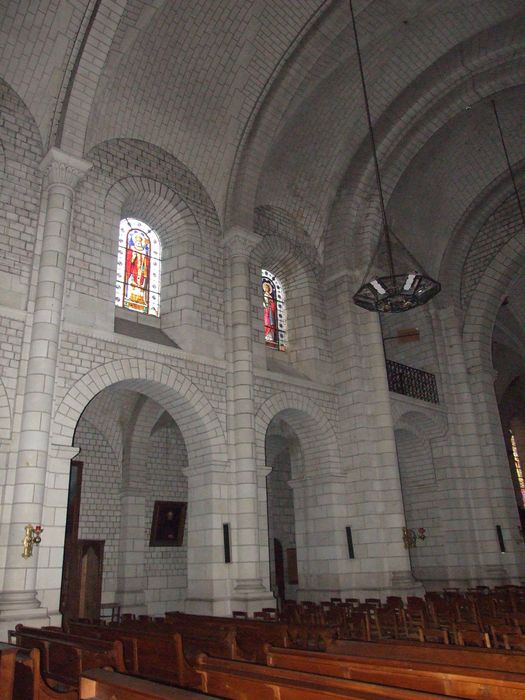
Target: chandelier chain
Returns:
[[373, 144]]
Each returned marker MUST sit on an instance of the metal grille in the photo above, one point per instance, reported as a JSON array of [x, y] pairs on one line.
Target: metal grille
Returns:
[[410, 381]]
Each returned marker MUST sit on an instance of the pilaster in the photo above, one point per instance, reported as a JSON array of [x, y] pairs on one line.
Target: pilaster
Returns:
[[62, 172]]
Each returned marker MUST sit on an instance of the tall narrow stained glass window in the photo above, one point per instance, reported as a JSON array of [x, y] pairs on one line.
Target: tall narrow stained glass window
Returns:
[[517, 466], [274, 311], [138, 268]]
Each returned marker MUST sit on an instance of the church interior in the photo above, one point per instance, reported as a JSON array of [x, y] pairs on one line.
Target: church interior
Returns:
[[195, 413]]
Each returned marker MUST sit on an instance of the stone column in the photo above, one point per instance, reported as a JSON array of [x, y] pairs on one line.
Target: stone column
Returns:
[[131, 569], [19, 592], [480, 488], [368, 449], [249, 592]]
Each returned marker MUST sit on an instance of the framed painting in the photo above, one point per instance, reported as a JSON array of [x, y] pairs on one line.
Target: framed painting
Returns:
[[167, 525]]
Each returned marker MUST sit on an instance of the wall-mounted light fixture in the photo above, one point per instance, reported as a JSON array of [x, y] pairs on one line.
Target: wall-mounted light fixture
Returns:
[[410, 536], [32, 537]]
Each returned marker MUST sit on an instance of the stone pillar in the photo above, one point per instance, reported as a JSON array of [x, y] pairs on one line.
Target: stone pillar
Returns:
[[20, 581], [208, 589], [131, 570], [321, 516], [368, 449], [249, 592], [480, 487]]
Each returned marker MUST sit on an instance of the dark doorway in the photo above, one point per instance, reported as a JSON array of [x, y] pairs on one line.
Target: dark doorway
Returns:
[[279, 570], [83, 560]]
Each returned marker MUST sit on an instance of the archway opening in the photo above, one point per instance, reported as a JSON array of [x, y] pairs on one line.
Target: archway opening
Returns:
[[284, 458], [128, 492]]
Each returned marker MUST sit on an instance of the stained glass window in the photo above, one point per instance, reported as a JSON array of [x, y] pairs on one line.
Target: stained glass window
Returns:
[[274, 311], [138, 268], [517, 466]]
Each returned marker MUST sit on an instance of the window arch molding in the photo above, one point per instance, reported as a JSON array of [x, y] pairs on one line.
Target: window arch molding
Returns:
[[290, 256], [191, 311]]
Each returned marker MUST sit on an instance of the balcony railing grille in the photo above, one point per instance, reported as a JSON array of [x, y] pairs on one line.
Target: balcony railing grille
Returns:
[[413, 382]]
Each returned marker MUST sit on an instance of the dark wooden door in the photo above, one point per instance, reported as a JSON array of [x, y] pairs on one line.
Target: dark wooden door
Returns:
[[90, 558], [279, 569], [83, 560]]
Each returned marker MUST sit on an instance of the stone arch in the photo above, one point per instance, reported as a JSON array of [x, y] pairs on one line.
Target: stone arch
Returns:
[[486, 301], [144, 418], [21, 149], [143, 168], [71, 126], [439, 94], [285, 245], [463, 238], [152, 201], [143, 181], [316, 435], [427, 424], [102, 413], [198, 422], [268, 111], [286, 250]]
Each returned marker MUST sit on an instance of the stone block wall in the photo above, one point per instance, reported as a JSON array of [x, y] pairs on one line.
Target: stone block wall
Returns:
[[165, 567], [100, 501]]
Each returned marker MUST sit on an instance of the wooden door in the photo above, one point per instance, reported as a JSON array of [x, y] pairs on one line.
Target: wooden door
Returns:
[[83, 560], [91, 558]]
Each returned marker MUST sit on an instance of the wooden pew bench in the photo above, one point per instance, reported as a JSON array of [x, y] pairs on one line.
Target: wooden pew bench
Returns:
[[105, 685], [29, 683], [7, 670], [237, 680], [64, 657], [416, 675], [157, 656], [488, 659], [253, 634]]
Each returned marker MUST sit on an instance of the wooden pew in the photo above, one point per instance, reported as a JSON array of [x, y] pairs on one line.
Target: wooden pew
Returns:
[[447, 680], [106, 685], [251, 635], [92, 630], [7, 670], [488, 659], [65, 657], [158, 648], [160, 655], [237, 680], [29, 683]]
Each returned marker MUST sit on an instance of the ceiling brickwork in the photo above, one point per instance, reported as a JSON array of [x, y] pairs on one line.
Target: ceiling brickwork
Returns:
[[260, 100]]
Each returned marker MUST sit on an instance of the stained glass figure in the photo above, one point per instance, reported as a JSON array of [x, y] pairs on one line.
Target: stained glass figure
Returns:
[[517, 466], [138, 268], [274, 311]]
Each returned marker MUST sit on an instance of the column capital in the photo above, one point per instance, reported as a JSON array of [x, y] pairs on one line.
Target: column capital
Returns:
[[63, 169], [241, 241]]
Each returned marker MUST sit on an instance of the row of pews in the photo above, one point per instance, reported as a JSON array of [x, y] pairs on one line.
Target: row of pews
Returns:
[[480, 617], [246, 659]]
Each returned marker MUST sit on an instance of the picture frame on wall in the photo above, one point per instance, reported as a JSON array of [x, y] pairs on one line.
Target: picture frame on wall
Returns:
[[167, 525]]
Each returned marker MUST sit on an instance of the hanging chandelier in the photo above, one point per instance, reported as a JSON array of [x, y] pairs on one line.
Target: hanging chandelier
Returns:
[[393, 292]]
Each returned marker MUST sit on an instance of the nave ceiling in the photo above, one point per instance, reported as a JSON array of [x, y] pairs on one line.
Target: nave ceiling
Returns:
[[261, 101]]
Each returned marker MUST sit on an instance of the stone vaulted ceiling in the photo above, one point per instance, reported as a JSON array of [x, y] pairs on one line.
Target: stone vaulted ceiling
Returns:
[[260, 99]]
